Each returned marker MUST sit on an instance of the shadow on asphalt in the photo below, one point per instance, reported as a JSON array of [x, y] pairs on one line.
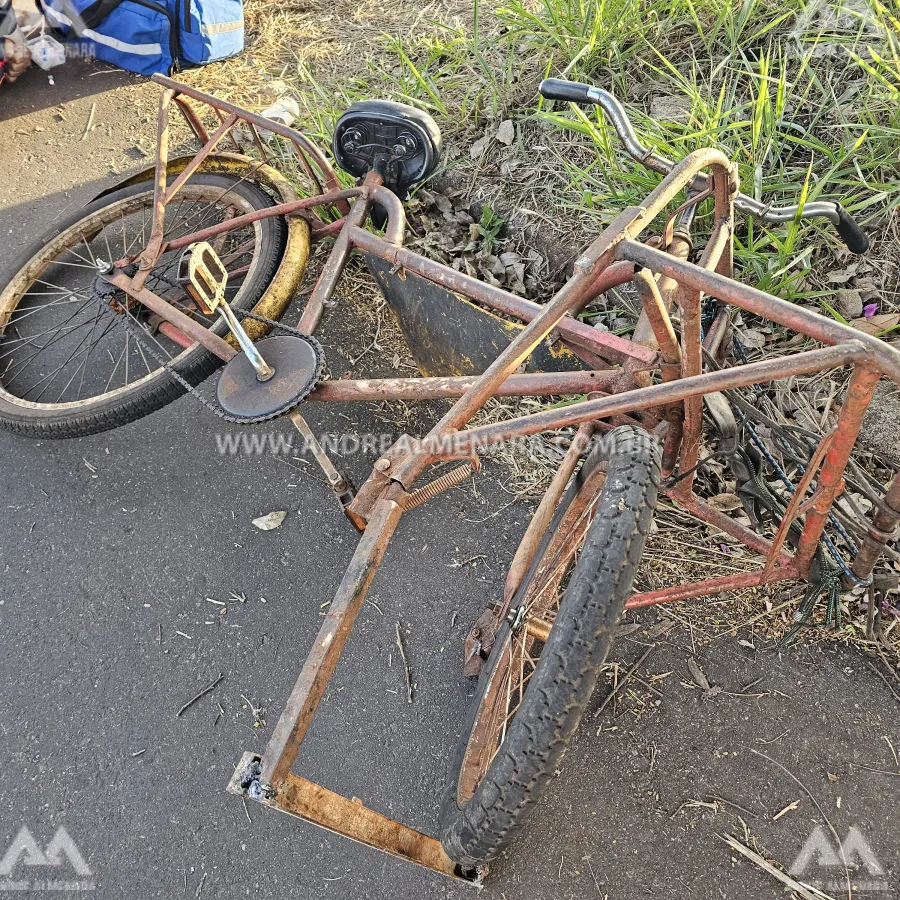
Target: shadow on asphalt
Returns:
[[75, 80]]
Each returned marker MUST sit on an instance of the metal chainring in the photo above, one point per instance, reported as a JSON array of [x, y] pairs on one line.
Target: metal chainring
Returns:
[[141, 338]]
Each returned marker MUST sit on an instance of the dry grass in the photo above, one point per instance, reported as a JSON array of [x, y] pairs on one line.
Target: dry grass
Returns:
[[310, 45]]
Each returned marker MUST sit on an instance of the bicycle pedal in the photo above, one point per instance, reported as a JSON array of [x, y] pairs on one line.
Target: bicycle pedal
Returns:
[[203, 275]]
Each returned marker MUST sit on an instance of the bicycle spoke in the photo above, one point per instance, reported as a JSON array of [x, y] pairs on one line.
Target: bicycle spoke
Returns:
[[72, 292], [30, 341], [508, 684], [87, 247], [144, 358], [137, 324], [81, 367], [52, 376], [56, 346], [114, 370], [74, 265], [109, 252], [54, 340]]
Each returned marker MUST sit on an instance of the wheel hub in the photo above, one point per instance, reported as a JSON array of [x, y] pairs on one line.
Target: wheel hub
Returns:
[[105, 292]]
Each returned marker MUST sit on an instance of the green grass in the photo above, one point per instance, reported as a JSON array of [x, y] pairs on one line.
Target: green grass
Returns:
[[803, 95]]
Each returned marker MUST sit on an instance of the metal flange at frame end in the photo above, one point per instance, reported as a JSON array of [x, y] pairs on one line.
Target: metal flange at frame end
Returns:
[[348, 818]]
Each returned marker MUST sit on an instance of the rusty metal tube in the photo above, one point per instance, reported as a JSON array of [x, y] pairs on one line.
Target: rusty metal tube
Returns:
[[192, 119], [198, 159], [578, 334], [184, 323], [656, 314], [175, 334], [702, 510], [719, 242], [797, 499], [710, 586], [691, 366], [283, 209], [717, 332], [537, 527], [544, 384], [830, 481], [631, 221], [643, 398], [297, 715], [337, 259], [767, 306], [154, 246], [351, 819], [516, 353], [297, 138], [395, 230], [884, 523]]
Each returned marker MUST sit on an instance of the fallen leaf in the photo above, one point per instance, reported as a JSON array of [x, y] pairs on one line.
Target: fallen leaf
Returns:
[[725, 502], [478, 147], [876, 324], [506, 133], [270, 521], [443, 203], [752, 338], [841, 276], [697, 674], [660, 629]]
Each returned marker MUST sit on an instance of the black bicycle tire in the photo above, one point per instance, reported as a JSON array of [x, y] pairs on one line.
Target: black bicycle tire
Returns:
[[567, 669], [101, 414]]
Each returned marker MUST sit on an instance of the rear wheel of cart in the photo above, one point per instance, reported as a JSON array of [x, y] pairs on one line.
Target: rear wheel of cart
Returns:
[[532, 692], [70, 364]]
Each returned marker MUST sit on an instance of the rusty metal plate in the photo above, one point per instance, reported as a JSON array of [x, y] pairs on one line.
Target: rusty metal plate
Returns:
[[450, 335]]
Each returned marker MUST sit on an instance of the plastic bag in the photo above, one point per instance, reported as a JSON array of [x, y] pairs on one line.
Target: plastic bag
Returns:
[[46, 52]]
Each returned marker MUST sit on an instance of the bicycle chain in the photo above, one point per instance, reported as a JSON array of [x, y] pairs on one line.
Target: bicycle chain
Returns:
[[140, 337]]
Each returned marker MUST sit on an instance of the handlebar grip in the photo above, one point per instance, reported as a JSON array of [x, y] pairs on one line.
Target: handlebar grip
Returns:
[[852, 235], [560, 89]]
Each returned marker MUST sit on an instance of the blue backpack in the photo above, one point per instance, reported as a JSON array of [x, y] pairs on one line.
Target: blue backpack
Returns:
[[148, 36]]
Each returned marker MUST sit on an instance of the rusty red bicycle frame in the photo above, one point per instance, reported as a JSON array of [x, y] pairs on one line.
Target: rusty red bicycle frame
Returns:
[[664, 279]]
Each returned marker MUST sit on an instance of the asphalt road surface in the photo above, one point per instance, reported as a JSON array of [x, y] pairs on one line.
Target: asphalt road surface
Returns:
[[132, 578]]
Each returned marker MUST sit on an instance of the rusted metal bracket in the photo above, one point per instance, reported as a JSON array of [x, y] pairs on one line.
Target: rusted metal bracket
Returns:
[[378, 482], [480, 642], [337, 481], [268, 778], [317, 805]]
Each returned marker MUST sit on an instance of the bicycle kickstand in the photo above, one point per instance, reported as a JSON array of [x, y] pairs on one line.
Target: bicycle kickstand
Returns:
[[337, 481]]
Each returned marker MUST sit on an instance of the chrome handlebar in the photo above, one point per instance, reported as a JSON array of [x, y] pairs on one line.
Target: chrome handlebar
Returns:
[[574, 92]]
